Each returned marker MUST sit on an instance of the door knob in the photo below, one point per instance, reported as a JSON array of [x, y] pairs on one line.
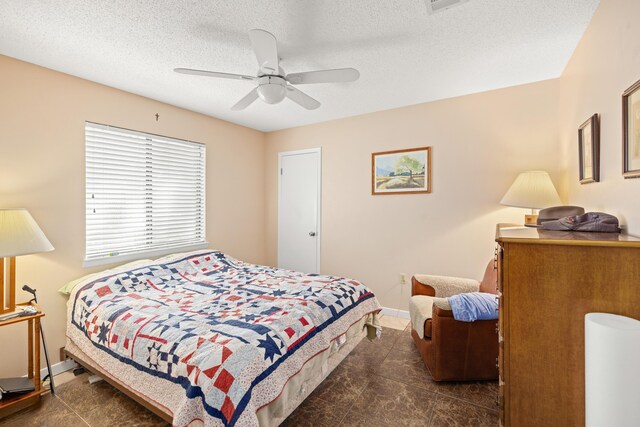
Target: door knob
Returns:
[[312, 233]]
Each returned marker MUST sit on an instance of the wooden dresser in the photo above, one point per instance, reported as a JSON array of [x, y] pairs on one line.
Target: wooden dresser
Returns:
[[547, 282]]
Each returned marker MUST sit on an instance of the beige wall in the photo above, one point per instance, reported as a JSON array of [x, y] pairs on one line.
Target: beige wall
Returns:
[[480, 143], [605, 63], [42, 116]]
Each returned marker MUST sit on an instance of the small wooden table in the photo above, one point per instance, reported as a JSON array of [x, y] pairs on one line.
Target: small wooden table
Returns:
[[9, 405]]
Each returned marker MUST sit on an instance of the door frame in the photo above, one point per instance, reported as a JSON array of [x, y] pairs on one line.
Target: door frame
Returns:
[[282, 154]]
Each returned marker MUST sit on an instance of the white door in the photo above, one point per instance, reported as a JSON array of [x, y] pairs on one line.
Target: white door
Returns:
[[299, 210]]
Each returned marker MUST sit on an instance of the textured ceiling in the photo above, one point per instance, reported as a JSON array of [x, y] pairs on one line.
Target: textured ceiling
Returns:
[[405, 56]]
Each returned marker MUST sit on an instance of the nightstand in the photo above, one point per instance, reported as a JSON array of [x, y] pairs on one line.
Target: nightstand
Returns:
[[9, 405]]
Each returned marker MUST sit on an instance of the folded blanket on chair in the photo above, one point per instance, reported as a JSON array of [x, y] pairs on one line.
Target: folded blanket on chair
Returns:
[[472, 306]]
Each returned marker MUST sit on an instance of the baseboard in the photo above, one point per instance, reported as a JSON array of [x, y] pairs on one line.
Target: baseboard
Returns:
[[403, 314], [59, 367]]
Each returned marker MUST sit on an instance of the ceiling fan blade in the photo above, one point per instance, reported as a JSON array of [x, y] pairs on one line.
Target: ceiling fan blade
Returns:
[[246, 101], [265, 47], [340, 75], [301, 98], [212, 74]]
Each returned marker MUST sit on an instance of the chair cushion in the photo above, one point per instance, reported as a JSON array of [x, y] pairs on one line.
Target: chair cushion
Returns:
[[421, 309]]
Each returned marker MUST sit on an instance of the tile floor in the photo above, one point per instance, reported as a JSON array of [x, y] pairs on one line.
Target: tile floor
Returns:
[[381, 383]]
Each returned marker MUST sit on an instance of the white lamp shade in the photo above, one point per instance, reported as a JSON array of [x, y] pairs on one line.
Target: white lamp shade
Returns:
[[20, 234], [532, 190]]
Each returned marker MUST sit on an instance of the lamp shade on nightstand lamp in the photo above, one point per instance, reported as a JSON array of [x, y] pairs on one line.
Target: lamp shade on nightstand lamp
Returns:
[[19, 235], [532, 190]]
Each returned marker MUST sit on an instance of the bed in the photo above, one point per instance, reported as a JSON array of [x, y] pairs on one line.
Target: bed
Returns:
[[204, 339]]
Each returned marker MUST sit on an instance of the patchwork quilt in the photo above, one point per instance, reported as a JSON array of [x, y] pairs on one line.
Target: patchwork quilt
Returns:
[[209, 337]]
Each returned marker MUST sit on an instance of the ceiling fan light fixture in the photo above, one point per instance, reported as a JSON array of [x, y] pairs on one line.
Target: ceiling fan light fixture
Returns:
[[273, 90]]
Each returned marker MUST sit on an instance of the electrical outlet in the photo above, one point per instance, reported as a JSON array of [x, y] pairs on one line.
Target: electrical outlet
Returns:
[[403, 278]]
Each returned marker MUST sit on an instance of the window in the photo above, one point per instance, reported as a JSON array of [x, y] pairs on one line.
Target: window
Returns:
[[145, 195]]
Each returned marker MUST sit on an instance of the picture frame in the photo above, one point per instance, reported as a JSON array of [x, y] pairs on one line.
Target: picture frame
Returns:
[[631, 131], [589, 150], [405, 171]]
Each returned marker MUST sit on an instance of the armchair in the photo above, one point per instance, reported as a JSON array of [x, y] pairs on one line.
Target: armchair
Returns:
[[453, 350]]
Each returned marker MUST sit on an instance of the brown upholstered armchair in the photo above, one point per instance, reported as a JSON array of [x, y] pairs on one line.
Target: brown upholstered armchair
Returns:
[[453, 350]]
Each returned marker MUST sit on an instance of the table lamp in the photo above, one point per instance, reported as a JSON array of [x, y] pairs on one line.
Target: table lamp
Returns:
[[19, 235], [532, 190]]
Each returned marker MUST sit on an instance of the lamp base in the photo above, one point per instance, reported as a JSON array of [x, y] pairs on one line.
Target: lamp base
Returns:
[[7, 285], [531, 220]]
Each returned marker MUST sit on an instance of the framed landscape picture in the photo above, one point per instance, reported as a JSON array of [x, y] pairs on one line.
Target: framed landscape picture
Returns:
[[589, 150], [401, 171], [631, 132]]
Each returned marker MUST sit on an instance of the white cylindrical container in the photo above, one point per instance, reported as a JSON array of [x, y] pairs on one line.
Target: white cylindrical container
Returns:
[[612, 370]]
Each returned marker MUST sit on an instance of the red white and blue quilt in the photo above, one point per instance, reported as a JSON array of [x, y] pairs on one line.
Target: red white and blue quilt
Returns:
[[209, 337]]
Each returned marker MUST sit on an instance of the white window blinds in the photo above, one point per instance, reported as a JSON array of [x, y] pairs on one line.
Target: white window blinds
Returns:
[[145, 194]]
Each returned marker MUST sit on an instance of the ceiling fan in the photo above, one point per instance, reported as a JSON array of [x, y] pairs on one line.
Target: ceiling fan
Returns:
[[272, 83]]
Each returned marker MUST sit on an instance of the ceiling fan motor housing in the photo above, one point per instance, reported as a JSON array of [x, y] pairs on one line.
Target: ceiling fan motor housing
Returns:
[[271, 89]]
